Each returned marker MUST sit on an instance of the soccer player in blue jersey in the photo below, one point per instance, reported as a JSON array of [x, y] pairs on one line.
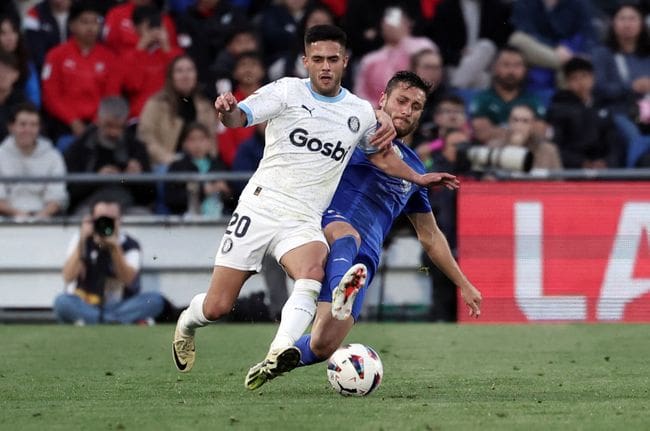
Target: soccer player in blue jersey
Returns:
[[364, 207]]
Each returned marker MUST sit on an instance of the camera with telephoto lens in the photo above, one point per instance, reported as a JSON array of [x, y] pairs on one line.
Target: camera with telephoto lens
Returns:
[[104, 226], [508, 158]]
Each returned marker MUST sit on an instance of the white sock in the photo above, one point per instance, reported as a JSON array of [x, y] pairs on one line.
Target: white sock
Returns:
[[193, 317], [297, 313]]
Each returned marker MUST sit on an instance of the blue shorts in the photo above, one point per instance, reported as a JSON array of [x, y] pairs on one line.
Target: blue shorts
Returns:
[[364, 256]]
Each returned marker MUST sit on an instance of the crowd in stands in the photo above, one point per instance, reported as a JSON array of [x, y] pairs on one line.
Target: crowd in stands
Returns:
[[112, 87]]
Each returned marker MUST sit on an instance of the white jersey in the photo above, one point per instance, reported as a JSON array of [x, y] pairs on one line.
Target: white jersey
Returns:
[[309, 141]]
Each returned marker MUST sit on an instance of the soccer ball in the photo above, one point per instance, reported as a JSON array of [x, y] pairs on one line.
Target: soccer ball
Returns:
[[355, 369]]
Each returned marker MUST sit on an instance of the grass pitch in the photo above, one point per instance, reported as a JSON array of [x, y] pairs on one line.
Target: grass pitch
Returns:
[[437, 377]]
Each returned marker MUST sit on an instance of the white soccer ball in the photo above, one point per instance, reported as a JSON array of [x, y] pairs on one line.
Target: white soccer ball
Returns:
[[355, 369]]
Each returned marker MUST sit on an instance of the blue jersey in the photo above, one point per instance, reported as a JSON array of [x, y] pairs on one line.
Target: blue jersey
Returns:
[[370, 200]]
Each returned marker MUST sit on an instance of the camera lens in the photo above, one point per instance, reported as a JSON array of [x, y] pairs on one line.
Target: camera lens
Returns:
[[104, 226]]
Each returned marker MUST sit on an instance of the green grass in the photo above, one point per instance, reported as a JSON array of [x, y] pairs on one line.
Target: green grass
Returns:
[[437, 377]]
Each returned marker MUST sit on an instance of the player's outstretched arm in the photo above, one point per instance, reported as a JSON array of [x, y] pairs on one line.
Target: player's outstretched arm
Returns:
[[389, 162], [436, 246], [228, 112]]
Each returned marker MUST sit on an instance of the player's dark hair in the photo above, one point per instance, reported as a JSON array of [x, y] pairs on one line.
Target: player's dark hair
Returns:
[[319, 33], [410, 79]]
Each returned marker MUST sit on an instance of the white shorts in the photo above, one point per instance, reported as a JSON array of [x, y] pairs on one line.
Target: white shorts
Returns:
[[254, 232]]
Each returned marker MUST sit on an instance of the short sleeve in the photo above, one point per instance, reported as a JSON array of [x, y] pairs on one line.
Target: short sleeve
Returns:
[[418, 202], [364, 143], [265, 103]]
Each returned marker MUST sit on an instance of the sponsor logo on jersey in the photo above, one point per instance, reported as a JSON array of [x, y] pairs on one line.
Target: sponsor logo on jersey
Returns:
[[310, 110], [354, 124], [301, 138]]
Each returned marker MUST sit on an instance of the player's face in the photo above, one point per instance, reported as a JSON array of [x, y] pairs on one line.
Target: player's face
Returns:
[[325, 61], [404, 104]]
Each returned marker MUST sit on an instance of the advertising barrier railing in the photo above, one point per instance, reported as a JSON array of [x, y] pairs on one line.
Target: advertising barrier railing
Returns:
[[557, 251]]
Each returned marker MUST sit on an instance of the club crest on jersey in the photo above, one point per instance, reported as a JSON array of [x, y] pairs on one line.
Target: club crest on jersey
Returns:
[[301, 138], [227, 245], [354, 124]]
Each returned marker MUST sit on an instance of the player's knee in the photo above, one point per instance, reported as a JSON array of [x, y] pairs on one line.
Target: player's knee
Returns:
[[215, 310], [323, 348]]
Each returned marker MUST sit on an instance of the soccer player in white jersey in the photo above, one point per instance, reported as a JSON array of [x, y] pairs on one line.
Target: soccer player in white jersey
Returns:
[[313, 127]]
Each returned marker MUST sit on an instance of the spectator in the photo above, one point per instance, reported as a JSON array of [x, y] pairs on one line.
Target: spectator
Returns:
[[107, 149], [291, 63], [240, 40], [622, 70], [377, 67], [449, 115], [507, 90], [25, 154], [146, 63], [202, 31], [9, 8], [550, 33], [520, 133], [279, 24], [78, 74], [102, 273], [46, 26], [12, 42], [468, 33], [197, 198], [443, 203], [249, 76], [168, 111], [10, 93], [362, 23], [119, 31], [584, 133], [427, 64]]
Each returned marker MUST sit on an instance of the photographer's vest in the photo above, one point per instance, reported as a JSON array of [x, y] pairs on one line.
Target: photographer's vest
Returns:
[[97, 284]]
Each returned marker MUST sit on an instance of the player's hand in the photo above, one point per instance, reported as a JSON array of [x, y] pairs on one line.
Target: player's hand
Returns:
[[225, 103], [472, 297], [433, 179], [383, 137]]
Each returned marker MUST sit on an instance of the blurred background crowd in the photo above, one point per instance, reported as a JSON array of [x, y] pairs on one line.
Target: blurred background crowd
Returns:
[[110, 87]]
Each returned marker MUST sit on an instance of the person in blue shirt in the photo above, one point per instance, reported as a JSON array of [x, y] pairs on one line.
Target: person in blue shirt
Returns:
[[362, 211]]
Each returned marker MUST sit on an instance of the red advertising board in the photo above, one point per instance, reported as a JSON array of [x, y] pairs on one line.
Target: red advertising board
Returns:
[[557, 251]]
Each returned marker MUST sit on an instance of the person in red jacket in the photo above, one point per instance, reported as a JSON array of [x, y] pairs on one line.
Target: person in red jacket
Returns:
[[119, 30], [78, 74], [145, 65], [249, 75]]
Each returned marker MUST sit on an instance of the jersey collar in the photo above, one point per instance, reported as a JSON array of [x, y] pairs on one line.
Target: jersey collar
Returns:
[[320, 97]]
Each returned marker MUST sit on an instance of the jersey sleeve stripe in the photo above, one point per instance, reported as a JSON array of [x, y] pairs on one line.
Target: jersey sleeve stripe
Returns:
[[248, 112]]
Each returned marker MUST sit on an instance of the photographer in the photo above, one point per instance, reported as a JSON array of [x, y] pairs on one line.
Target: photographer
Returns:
[[102, 274]]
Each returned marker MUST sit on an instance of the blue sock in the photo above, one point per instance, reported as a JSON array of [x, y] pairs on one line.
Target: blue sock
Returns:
[[341, 258], [307, 357]]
